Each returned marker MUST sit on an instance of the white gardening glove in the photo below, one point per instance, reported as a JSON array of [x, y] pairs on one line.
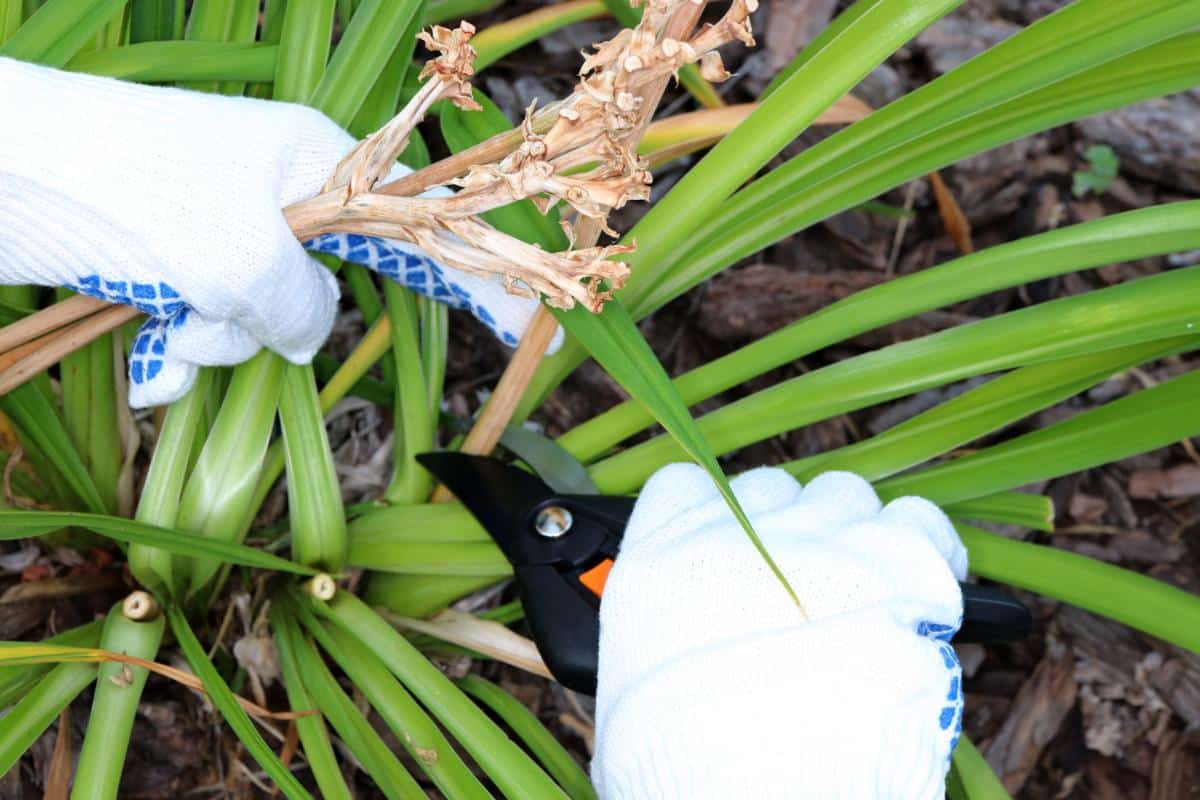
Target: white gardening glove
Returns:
[[170, 200], [710, 684]]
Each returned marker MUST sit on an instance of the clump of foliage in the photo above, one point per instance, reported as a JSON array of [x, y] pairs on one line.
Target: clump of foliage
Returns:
[[217, 454]]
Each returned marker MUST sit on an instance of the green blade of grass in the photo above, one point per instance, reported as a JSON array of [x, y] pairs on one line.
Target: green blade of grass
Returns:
[[235, 716], [24, 524]]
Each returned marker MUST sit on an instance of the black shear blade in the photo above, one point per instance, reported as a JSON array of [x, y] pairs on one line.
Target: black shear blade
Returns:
[[500, 497]]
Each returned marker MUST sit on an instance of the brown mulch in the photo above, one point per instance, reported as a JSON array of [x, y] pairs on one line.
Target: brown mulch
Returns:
[[1085, 708]]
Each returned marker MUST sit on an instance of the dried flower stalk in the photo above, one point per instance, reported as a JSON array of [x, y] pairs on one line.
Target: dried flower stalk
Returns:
[[595, 130]]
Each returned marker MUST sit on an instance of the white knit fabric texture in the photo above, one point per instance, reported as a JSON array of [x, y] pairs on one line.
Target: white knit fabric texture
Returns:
[[170, 200], [710, 684]]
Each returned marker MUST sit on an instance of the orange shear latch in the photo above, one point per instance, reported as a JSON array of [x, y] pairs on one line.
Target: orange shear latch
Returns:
[[595, 578]]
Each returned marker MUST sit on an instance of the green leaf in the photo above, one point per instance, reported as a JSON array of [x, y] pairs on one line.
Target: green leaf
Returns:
[[317, 517], [505, 763], [870, 157], [550, 461], [361, 56], [393, 780], [59, 29], [21, 726], [1158, 307], [155, 20], [1132, 599], [223, 698], [24, 524], [614, 341], [314, 736], [418, 734], [32, 412], [859, 41], [1012, 508], [502, 38], [168, 62], [17, 680], [303, 49], [975, 776], [1104, 165], [984, 410], [557, 761], [1135, 424]]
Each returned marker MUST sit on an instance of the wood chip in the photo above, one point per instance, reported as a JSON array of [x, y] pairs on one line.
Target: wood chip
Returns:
[[1036, 716]]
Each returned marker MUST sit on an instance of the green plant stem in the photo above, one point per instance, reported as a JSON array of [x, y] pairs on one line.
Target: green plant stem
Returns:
[[159, 501], [218, 491], [318, 520], [118, 690], [420, 595], [414, 430]]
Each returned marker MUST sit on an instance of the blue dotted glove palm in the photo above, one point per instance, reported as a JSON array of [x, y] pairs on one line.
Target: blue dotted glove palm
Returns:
[[711, 685], [172, 203]]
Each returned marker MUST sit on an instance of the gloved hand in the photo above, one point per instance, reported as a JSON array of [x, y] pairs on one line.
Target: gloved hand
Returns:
[[712, 686], [170, 200]]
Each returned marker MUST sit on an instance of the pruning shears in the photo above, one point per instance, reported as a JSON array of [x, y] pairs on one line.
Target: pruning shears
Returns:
[[562, 547]]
